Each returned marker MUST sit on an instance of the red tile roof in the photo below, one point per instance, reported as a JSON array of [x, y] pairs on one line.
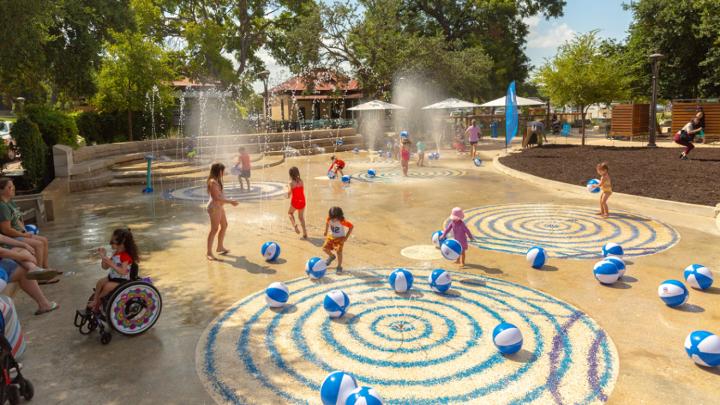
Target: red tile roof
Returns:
[[322, 81]]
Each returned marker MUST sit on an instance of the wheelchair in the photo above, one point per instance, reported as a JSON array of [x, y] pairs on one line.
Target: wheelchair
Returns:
[[12, 383], [131, 309]]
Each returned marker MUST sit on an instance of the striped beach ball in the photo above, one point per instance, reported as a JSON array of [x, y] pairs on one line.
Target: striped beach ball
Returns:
[[698, 276], [401, 280], [703, 347], [593, 185], [371, 173], [673, 293], [612, 249], [33, 229], [536, 257], [270, 251], [606, 272], [277, 295], [331, 174], [477, 161], [618, 262], [336, 387], [451, 249], [339, 142], [507, 338], [440, 280], [3, 279], [436, 238], [336, 303], [356, 150], [364, 396], [315, 268], [345, 179]]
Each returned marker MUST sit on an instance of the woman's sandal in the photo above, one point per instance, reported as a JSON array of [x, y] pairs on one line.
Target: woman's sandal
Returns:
[[53, 306]]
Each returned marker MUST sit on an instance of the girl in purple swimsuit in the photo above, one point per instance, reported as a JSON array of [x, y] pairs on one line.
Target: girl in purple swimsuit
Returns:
[[460, 232]]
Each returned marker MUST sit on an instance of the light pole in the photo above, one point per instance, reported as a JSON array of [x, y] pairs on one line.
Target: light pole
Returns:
[[654, 59], [264, 77]]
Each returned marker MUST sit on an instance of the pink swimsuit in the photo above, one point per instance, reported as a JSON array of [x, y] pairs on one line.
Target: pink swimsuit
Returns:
[[460, 232]]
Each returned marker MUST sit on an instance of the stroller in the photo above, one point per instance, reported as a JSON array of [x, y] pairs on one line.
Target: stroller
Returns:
[[12, 383]]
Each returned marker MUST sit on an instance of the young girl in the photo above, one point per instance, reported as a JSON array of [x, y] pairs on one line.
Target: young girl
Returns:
[[606, 187], [336, 166], [420, 145], [460, 232], [125, 253], [216, 211], [296, 193], [405, 157], [337, 223], [242, 167]]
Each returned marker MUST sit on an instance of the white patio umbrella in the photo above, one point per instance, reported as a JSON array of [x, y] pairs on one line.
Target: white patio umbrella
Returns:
[[521, 101], [450, 103], [376, 105]]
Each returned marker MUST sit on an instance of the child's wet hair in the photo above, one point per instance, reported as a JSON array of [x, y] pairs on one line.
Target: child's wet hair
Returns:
[[295, 173], [333, 157], [336, 213], [242, 149], [603, 166]]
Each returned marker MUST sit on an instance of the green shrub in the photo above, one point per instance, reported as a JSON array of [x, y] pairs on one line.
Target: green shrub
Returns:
[[108, 127], [55, 126], [33, 150]]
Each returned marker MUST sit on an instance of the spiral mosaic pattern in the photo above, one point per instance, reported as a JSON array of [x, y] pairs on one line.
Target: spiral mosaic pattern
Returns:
[[419, 173], [565, 231], [416, 348], [259, 190]]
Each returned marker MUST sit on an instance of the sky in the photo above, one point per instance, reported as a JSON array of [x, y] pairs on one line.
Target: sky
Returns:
[[580, 16]]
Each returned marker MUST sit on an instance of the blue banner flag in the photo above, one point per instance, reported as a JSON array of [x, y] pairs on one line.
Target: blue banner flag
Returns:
[[511, 114]]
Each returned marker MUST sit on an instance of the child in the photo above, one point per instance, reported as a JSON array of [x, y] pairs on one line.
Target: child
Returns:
[[125, 253], [337, 223], [606, 187], [296, 193], [336, 166], [405, 157], [242, 168], [421, 153], [460, 232]]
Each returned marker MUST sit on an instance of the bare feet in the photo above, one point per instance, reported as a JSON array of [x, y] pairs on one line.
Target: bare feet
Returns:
[[304, 236], [211, 257], [222, 251], [598, 213], [297, 230], [605, 215]]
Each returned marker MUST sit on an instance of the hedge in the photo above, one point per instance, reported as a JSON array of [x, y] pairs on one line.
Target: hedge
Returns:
[[55, 126], [107, 127], [33, 150]]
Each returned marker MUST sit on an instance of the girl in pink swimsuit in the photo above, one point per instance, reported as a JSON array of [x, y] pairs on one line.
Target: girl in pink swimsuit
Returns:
[[460, 232]]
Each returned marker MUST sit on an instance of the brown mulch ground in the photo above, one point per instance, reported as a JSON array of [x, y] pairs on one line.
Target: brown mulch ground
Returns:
[[657, 173]]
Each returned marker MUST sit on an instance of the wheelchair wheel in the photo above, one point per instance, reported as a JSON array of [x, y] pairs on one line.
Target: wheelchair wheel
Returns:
[[134, 307], [27, 390]]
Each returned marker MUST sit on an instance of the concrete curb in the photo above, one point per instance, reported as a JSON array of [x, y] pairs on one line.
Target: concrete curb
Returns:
[[627, 199]]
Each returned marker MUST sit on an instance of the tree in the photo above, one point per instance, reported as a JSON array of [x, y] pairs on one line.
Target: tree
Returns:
[[133, 67], [33, 149], [581, 75]]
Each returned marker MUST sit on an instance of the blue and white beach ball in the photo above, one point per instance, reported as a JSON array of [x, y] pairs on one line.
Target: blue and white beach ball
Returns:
[[339, 142], [401, 280], [618, 262], [437, 155], [440, 280], [703, 347], [336, 387], [33, 229], [477, 162], [612, 249], [698, 276], [436, 238], [336, 303], [346, 179], [507, 338], [277, 295], [404, 134], [673, 293], [331, 174], [270, 251], [593, 185], [315, 268], [536, 257], [371, 173], [364, 396], [3, 279], [606, 272], [451, 249], [356, 150]]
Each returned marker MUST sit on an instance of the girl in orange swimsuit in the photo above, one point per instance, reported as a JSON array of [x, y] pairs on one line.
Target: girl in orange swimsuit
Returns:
[[296, 193]]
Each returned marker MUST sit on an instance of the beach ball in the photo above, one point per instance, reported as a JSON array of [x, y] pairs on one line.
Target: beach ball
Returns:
[[3, 279], [612, 249], [618, 262], [371, 173], [536, 257], [356, 150], [440, 280], [277, 294], [436, 238], [477, 162], [593, 185], [336, 303], [703, 347], [451, 249], [437, 155], [606, 272], [698, 276], [507, 338], [345, 179], [404, 134], [315, 268], [673, 293], [270, 251], [401, 280], [337, 387], [339, 142], [33, 229], [331, 174], [364, 396]]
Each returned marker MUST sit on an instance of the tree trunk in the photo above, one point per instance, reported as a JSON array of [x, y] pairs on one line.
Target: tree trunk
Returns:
[[130, 125], [582, 123]]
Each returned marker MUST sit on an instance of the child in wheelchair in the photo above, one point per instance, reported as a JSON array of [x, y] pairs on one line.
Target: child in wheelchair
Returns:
[[124, 255]]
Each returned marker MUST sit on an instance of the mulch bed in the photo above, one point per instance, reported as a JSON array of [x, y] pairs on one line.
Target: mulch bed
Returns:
[[657, 172]]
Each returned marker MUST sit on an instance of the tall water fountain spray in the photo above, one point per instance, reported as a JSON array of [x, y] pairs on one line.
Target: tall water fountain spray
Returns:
[[414, 92]]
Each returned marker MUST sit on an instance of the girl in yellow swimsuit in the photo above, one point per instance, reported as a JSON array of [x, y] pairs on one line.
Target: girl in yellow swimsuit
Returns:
[[606, 187]]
